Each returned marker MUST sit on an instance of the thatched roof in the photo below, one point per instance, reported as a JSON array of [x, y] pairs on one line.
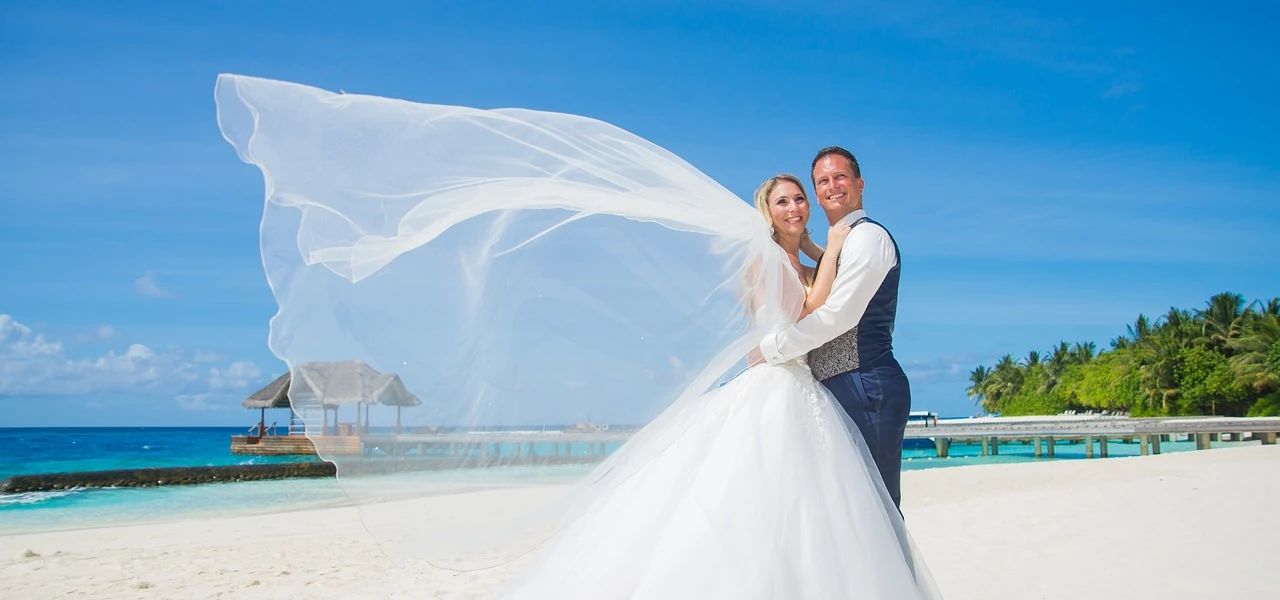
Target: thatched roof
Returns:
[[333, 384], [275, 395]]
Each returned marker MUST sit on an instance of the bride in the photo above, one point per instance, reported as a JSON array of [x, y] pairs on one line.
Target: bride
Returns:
[[516, 267], [769, 492]]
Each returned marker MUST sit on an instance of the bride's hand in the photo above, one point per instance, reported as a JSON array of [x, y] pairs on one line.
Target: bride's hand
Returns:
[[810, 249], [836, 236]]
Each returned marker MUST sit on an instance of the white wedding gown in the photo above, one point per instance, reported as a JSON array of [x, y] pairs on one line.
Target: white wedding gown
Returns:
[[762, 488]]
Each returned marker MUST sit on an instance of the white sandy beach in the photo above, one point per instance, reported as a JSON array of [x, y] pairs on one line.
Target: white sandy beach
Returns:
[[1184, 525]]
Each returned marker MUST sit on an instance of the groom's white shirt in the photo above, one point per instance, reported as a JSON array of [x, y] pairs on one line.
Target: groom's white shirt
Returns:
[[865, 259]]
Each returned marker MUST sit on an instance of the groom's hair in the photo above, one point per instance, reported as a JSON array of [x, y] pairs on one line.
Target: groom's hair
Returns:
[[828, 151]]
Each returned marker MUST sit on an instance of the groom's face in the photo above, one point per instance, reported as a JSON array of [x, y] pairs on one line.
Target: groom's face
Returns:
[[839, 191]]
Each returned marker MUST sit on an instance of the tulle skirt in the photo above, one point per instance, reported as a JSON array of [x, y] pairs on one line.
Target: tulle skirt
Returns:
[[762, 488]]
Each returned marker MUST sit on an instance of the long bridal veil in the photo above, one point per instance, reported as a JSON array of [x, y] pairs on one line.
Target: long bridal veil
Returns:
[[478, 307]]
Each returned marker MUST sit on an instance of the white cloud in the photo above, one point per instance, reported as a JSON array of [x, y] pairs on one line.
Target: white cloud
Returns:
[[148, 285], [106, 332], [36, 346], [198, 402], [30, 364], [240, 374], [11, 330], [945, 368], [205, 357], [18, 339]]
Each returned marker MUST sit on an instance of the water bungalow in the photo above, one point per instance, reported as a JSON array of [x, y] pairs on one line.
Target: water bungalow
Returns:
[[315, 389]]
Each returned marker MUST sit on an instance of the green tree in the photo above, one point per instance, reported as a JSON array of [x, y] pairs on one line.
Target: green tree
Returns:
[[1058, 360], [1208, 385], [1224, 318], [1109, 382], [1223, 359], [1257, 355], [978, 385]]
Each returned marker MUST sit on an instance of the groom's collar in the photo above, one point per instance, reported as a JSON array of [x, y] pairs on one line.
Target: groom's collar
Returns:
[[853, 217]]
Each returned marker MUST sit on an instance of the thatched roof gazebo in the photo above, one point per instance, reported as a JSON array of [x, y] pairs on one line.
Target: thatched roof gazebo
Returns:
[[275, 395], [328, 385]]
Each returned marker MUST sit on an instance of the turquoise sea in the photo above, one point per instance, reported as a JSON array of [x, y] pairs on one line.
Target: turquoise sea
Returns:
[[59, 450]]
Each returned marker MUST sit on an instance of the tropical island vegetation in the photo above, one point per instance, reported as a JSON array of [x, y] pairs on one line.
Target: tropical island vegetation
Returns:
[[1222, 360]]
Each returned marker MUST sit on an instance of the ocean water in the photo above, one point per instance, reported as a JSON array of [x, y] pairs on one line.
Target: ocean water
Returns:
[[57, 450], [26, 451]]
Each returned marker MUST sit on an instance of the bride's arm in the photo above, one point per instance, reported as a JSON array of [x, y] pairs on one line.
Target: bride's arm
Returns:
[[752, 301], [826, 269]]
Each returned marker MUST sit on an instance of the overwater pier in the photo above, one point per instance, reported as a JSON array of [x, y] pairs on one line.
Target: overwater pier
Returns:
[[1093, 431]]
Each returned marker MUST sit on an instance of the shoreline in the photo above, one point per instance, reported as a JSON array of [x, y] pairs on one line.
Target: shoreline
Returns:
[[1167, 526]]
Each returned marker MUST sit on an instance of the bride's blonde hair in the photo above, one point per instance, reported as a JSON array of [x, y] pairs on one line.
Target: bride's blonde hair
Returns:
[[766, 188]]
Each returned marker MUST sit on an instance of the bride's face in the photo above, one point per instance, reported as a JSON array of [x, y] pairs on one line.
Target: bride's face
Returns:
[[789, 208]]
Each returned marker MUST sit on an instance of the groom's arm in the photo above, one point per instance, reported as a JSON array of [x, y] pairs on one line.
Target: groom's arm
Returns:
[[866, 258]]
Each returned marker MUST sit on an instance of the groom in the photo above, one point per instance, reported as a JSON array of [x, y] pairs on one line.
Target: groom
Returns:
[[849, 339]]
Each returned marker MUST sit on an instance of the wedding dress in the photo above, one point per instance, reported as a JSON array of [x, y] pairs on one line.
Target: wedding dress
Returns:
[[519, 269], [762, 489]]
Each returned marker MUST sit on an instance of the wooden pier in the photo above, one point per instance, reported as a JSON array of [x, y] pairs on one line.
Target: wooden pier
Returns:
[[272, 444], [493, 444], [1046, 433]]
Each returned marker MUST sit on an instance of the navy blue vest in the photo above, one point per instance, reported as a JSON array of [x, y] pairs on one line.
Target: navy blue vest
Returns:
[[875, 330], [870, 344]]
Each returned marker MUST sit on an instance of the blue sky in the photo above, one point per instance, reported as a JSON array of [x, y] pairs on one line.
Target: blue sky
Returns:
[[1049, 172]]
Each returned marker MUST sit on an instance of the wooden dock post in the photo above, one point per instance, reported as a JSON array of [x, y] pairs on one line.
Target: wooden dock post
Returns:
[[1049, 444], [1102, 446], [986, 445], [943, 446], [1088, 446], [1037, 446], [1202, 441], [1268, 438], [995, 446], [1146, 444], [1155, 444]]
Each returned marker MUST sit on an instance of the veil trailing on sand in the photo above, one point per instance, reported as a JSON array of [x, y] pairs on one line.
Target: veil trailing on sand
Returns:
[[471, 300]]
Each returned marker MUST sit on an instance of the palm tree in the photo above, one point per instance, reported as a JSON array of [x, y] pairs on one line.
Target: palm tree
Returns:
[[1054, 367], [1033, 359], [1179, 324], [978, 379], [1250, 352], [1224, 317], [1271, 308], [1140, 330], [1158, 356], [1003, 381], [1083, 352]]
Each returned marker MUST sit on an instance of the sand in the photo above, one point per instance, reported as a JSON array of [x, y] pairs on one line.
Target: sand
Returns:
[[1185, 525]]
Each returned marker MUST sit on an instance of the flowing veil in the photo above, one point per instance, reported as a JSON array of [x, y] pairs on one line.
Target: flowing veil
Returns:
[[472, 301]]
